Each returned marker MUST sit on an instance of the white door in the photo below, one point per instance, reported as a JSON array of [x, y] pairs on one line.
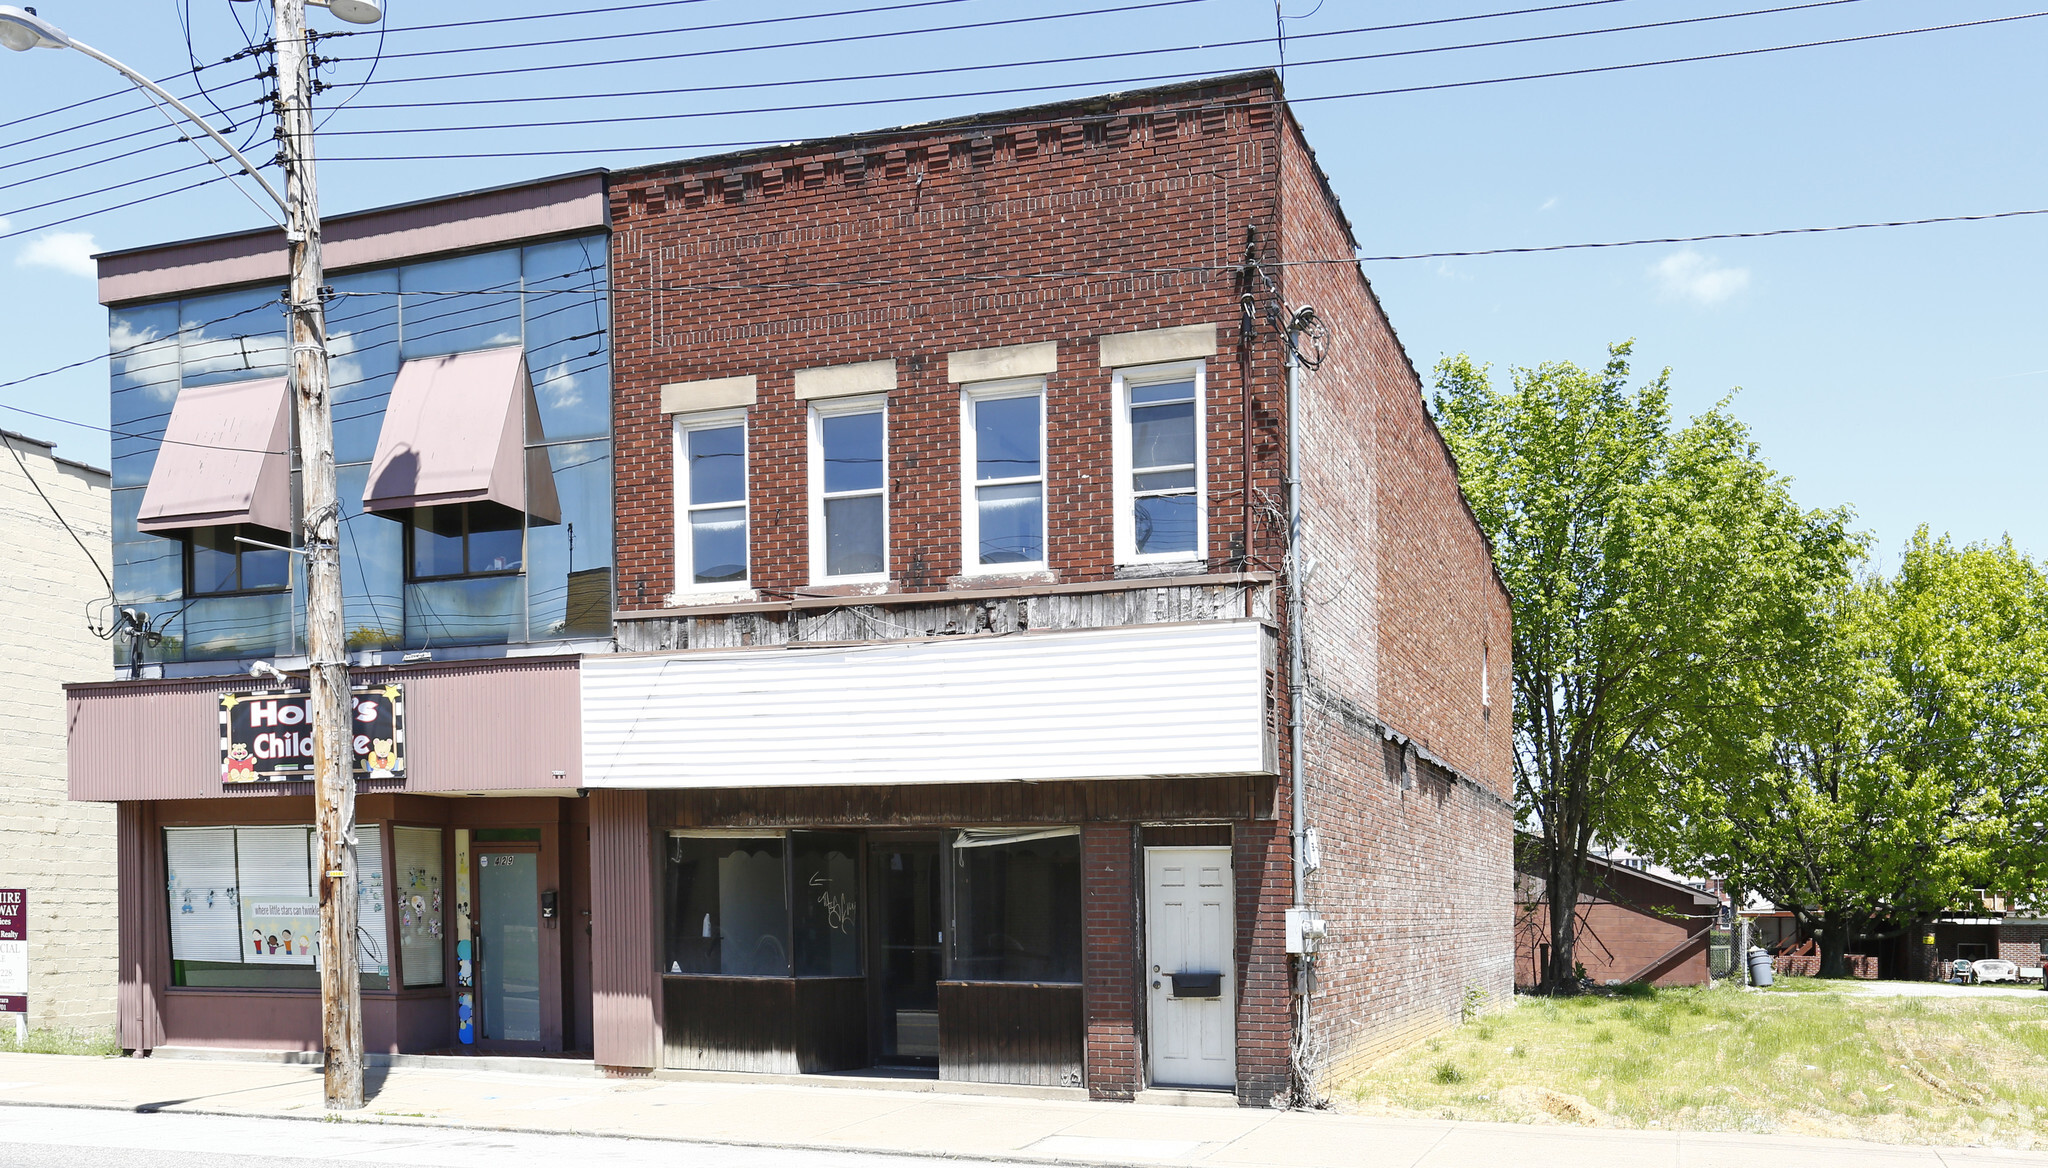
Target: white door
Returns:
[[1188, 931]]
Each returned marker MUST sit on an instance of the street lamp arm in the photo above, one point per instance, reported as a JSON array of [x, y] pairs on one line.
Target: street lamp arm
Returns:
[[33, 31], [144, 82]]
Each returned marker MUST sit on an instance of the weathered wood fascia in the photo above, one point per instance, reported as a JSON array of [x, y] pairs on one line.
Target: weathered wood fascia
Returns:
[[944, 596]]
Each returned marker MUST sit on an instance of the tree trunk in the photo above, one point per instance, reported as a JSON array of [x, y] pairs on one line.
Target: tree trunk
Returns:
[[1834, 945], [1562, 880]]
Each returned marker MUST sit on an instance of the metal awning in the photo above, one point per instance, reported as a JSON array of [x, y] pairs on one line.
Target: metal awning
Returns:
[[226, 458], [456, 430]]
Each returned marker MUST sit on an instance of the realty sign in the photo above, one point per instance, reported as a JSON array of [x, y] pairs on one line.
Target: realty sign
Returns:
[[269, 736], [13, 951]]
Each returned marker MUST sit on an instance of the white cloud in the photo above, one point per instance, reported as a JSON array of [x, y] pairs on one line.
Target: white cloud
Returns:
[[69, 252], [1688, 275], [1548, 203]]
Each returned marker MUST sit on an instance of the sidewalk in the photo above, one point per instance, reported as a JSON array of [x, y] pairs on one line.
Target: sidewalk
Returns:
[[936, 1122]]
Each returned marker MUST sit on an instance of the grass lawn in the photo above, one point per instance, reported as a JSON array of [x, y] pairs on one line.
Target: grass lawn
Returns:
[[1897, 1069], [45, 1040]]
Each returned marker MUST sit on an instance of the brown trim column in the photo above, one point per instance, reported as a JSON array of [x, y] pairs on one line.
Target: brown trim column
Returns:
[[1109, 948], [143, 941], [625, 998]]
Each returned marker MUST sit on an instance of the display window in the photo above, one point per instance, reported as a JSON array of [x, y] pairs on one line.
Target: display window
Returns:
[[245, 909]]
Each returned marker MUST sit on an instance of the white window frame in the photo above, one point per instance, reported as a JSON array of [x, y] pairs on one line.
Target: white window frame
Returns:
[[1120, 439], [685, 580], [972, 394], [832, 408]]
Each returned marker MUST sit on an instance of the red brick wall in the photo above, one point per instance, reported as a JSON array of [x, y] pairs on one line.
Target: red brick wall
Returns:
[[1264, 870], [1402, 604], [2021, 944], [768, 263], [1109, 984], [1615, 942]]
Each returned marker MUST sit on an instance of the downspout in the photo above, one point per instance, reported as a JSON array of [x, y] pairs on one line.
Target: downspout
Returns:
[[1297, 670]]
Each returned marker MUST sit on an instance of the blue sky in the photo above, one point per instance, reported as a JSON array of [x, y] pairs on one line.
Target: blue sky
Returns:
[[1899, 371]]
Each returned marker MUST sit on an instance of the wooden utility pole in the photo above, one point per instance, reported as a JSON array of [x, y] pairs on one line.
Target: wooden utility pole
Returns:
[[334, 789]]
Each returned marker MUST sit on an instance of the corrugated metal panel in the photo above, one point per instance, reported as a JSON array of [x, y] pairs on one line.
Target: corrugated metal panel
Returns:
[[623, 983], [141, 930], [1109, 703], [500, 725], [504, 725]]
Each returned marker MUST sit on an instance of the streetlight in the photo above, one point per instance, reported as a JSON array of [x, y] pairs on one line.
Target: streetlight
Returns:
[[334, 792]]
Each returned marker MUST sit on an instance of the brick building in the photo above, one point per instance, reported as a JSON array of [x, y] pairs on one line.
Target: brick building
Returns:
[[932, 487], [1074, 263], [1632, 925]]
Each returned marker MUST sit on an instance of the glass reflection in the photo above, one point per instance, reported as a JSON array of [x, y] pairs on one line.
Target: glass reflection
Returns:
[[1006, 438], [373, 553], [1012, 523], [472, 610], [142, 350], [456, 305], [233, 336], [566, 349], [569, 564], [363, 342]]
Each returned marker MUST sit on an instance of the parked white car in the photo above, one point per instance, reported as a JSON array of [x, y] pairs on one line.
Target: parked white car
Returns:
[[1991, 969]]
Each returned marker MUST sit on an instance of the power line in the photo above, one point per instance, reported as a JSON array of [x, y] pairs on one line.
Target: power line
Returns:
[[982, 25], [104, 579], [1436, 255], [114, 207], [949, 69], [612, 290], [986, 125], [1093, 84]]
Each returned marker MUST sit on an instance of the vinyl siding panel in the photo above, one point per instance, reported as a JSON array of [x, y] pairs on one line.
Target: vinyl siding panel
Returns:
[[1111, 703]]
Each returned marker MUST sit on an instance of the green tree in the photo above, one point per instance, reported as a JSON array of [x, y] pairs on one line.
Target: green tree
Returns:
[[1901, 762], [1652, 568]]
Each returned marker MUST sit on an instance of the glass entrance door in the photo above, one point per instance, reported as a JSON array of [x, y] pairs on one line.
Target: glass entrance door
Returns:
[[508, 924], [907, 947]]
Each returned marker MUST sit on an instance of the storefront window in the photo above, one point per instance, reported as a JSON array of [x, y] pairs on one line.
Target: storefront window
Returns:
[[417, 852], [728, 911], [245, 911], [827, 924], [1017, 896]]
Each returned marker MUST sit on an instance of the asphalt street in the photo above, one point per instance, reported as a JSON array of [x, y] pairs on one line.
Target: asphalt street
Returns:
[[64, 1137]]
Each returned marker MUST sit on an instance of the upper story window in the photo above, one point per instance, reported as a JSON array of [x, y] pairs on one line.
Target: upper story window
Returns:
[[849, 491], [464, 539], [1161, 483], [711, 501], [1003, 456], [218, 562]]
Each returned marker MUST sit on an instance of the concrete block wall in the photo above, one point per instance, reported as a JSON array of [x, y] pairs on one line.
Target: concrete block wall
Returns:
[[61, 852]]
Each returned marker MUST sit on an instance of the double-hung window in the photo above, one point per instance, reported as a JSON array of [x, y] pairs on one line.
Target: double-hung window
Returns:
[[849, 491], [711, 502], [1161, 487], [1003, 519]]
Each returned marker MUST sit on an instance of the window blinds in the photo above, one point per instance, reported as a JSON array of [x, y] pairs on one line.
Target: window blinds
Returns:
[[373, 950], [200, 868]]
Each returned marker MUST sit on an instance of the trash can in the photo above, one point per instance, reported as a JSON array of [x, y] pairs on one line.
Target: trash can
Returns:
[[1759, 968]]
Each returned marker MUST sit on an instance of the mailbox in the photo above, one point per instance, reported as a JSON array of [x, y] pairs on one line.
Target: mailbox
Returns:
[[1197, 985]]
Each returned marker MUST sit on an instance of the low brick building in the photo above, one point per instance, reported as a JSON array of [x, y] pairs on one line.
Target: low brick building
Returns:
[[933, 487], [1633, 925]]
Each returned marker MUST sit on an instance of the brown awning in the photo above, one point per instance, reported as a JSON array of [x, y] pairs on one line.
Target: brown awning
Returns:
[[456, 431], [226, 458]]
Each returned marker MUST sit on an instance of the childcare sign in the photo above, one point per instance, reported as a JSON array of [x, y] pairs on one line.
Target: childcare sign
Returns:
[[269, 736], [13, 951]]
